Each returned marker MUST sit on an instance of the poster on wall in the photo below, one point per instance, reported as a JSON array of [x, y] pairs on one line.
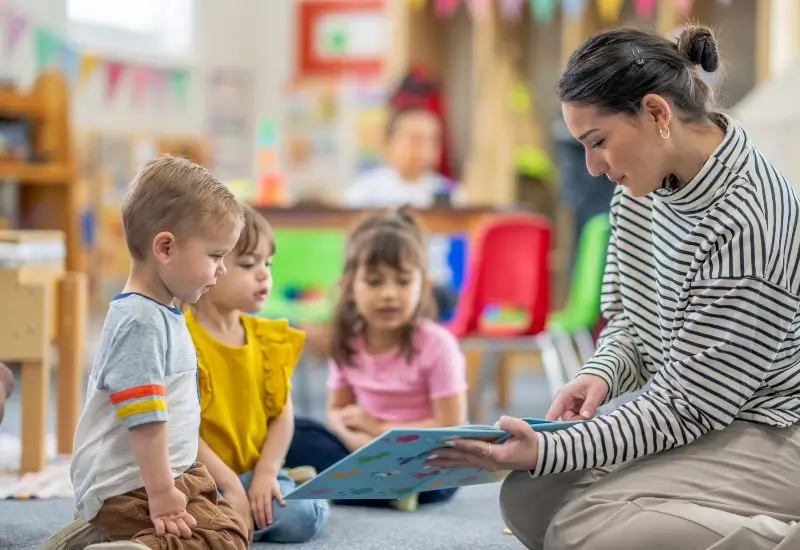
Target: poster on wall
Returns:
[[230, 128]]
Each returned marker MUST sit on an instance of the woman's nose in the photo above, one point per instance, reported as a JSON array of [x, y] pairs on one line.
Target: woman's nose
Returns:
[[595, 164]]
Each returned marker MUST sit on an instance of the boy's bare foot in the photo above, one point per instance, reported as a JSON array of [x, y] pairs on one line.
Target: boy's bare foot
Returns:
[[6, 387]]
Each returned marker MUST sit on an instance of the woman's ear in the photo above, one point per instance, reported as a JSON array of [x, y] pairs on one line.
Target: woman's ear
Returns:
[[657, 110]]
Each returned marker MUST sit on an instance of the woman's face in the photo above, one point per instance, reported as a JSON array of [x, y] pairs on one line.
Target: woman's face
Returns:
[[628, 150]]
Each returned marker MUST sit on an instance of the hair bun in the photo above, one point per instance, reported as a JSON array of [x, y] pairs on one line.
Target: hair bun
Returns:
[[698, 44]]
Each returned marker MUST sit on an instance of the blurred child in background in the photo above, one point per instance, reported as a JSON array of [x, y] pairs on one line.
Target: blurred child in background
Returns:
[[392, 365], [245, 365]]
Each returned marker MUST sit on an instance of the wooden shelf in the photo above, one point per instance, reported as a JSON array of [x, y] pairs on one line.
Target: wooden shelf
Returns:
[[36, 174], [16, 105]]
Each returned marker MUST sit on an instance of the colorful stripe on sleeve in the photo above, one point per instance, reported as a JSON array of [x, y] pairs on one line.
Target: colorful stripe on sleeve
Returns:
[[148, 398]]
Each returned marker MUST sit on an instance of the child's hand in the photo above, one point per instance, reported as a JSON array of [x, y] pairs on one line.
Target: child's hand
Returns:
[[237, 498], [355, 418], [263, 489], [169, 515]]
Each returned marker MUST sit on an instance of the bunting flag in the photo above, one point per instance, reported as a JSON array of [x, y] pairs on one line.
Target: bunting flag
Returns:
[[684, 7], [78, 67], [69, 60], [446, 7], [543, 10], [114, 72], [478, 8], [46, 46], [88, 65], [511, 10], [573, 8], [645, 8], [15, 26], [609, 10], [179, 86]]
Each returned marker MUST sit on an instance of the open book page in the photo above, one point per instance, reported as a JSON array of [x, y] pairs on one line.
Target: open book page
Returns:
[[393, 465]]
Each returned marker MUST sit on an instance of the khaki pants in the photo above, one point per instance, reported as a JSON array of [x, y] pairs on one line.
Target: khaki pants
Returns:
[[735, 489], [127, 517]]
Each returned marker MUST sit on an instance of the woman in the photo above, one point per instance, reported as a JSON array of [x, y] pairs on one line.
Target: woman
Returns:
[[701, 297]]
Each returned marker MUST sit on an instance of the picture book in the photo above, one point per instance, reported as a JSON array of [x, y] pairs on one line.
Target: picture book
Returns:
[[392, 466]]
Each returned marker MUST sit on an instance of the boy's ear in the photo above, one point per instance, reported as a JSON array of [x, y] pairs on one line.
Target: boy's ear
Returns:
[[163, 244]]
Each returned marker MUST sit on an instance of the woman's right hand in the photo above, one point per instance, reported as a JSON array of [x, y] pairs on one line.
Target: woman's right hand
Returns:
[[578, 399]]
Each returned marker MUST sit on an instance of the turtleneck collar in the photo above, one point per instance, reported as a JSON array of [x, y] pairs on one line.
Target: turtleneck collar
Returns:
[[730, 157]]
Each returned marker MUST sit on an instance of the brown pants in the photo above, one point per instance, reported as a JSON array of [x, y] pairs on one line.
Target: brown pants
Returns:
[[127, 517], [735, 489]]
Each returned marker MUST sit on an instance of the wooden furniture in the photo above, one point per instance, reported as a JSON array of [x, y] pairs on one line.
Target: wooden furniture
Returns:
[[32, 291], [42, 297]]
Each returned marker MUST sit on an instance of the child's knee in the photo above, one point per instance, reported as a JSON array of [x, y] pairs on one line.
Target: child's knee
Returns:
[[299, 521]]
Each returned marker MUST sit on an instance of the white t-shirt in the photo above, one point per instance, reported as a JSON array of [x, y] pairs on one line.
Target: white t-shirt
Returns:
[[383, 187]]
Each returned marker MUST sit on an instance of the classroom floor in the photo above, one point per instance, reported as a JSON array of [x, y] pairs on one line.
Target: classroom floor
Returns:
[[472, 519]]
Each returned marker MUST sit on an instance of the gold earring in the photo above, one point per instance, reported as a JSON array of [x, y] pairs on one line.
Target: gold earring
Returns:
[[664, 131]]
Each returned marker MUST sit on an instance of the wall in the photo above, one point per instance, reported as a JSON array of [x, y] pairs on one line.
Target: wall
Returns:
[[247, 37]]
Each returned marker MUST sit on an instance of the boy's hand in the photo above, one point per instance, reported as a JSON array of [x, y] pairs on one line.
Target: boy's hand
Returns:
[[169, 515], [263, 489], [237, 498]]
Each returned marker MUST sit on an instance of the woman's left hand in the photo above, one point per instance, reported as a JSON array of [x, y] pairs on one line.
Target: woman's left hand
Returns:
[[519, 452], [263, 489]]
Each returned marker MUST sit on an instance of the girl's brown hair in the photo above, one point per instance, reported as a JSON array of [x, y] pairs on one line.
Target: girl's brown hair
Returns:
[[394, 239], [256, 227]]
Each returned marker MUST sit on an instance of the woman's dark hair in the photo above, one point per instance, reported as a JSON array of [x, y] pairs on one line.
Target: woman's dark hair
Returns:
[[614, 69], [394, 239]]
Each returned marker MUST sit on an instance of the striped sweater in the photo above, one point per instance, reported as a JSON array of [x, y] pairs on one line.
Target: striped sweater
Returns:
[[702, 297]]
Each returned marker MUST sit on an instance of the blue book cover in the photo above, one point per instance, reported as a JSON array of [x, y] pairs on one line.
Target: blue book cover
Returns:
[[392, 465]]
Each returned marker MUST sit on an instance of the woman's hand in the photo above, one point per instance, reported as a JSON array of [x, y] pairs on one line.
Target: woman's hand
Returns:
[[355, 418], [578, 399], [263, 489], [519, 452]]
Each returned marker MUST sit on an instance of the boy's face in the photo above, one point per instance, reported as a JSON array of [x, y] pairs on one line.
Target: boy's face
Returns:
[[192, 266], [414, 146], [248, 279]]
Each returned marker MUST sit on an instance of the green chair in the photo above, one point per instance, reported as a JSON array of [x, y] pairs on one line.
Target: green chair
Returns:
[[304, 259], [574, 323]]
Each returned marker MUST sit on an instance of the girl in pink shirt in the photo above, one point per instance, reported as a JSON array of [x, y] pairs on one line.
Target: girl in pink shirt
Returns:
[[392, 365]]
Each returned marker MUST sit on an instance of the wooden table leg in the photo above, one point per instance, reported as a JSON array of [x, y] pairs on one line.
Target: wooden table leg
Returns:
[[72, 319], [473, 360], [35, 398]]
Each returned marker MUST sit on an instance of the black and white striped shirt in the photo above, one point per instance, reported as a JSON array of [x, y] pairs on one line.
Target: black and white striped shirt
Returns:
[[702, 294]]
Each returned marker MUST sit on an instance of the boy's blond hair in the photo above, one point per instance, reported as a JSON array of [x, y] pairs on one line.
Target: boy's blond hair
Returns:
[[173, 194]]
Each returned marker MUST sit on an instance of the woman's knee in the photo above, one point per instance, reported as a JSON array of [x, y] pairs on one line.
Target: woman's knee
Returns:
[[523, 507]]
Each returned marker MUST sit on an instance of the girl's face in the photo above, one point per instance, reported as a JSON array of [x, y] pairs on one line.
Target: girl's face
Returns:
[[248, 281], [385, 297]]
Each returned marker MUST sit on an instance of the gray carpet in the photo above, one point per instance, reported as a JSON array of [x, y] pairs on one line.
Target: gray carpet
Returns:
[[471, 520]]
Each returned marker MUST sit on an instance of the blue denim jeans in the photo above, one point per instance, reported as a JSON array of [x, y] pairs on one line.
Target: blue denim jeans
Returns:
[[298, 521]]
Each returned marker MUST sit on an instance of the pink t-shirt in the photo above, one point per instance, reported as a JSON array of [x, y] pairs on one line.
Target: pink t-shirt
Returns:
[[394, 390]]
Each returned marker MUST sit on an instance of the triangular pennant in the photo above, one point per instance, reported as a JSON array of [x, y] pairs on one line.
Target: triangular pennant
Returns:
[[140, 84], [543, 10], [645, 8], [158, 87], [573, 8], [510, 10], [417, 4], [46, 46], [478, 8], [609, 10], [114, 72], [69, 62], [179, 86], [88, 65], [15, 27], [446, 7], [684, 7]]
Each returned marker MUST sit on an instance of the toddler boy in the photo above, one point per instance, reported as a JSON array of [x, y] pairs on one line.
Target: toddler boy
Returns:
[[134, 466]]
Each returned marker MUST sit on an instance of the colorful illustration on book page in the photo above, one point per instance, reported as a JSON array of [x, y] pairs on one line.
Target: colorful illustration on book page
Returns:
[[463, 477]]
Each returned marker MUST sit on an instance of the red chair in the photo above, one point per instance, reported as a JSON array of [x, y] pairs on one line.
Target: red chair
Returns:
[[509, 264]]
